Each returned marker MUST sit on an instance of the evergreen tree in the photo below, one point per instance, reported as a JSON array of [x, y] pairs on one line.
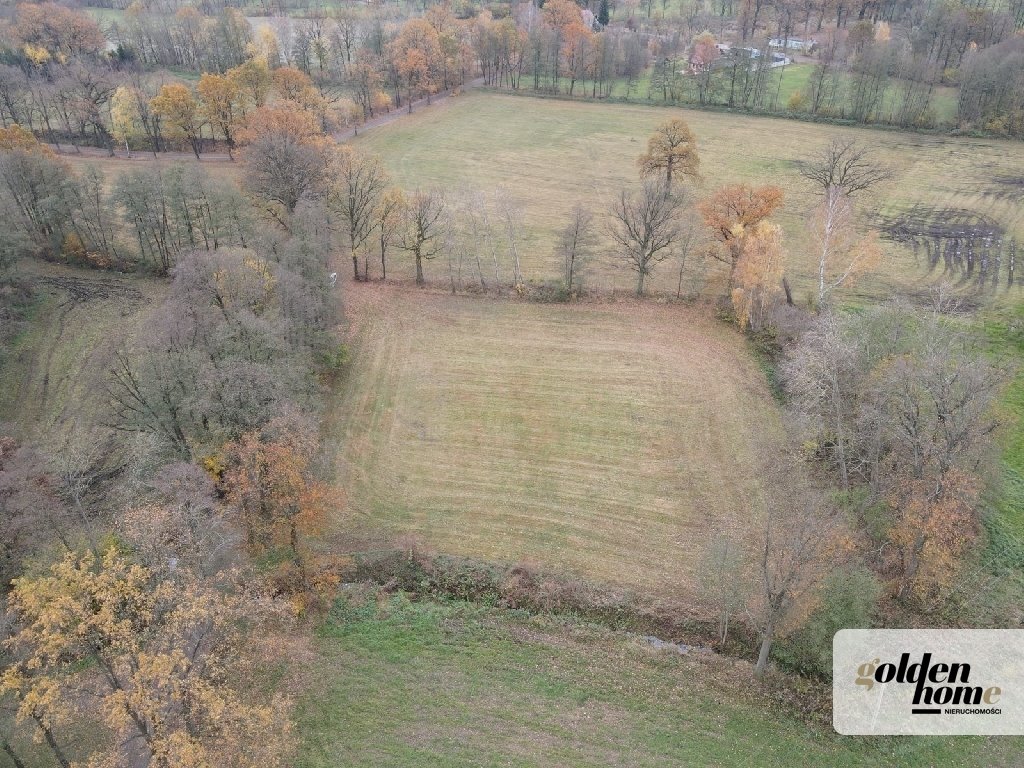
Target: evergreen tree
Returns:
[[602, 14]]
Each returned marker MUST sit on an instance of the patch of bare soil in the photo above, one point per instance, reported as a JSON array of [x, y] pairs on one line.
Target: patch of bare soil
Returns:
[[82, 289], [1007, 187]]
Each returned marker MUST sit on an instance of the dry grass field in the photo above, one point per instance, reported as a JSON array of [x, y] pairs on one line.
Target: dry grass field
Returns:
[[551, 154], [613, 441]]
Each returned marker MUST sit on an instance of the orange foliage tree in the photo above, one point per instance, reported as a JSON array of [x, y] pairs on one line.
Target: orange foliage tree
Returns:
[[287, 157], [270, 479], [58, 31], [936, 524], [703, 55], [416, 56], [731, 213], [17, 138]]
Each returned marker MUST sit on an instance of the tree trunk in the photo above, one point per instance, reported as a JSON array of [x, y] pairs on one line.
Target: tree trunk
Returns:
[[913, 563], [419, 270], [840, 444], [9, 751], [766, 649], [293, 540], [53, 745], [640, 284], [355, 266]]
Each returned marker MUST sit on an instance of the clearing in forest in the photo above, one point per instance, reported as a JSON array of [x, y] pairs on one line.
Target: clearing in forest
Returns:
[[610, 441]]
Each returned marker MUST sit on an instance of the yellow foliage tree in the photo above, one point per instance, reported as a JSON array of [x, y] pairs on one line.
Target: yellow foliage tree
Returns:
[[252, 78], [265, 49], [757, 281], [219, 101], [154, 652], [177, 107], [672, 151], [124, 115]]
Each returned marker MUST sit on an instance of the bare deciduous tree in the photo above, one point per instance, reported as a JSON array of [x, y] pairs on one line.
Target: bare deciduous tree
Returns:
[[902, 402], [841, 254], [511, 214], [575, 245], [645, 227], [724, 580], [799, 530], [845, 165], [282, 171], [388, 220], [32, 513], [357, 182], [822, 375], [478, 236], [78, 466], [425, 225], [840, 171]]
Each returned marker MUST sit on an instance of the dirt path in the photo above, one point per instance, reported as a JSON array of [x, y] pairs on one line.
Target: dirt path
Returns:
[[222, 157]]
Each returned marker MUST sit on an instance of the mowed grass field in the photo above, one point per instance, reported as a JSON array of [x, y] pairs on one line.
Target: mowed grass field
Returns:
[[551, 154], [457, 685], [609, 441]]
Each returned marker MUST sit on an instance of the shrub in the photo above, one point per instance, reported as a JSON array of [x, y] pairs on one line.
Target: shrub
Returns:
[[848, 600], [796, 102]]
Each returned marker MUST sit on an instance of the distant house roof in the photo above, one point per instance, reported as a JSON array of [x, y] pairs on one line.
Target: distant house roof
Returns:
[[792, 42]]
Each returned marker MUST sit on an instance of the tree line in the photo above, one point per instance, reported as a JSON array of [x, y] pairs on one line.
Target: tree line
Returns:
[[61, 76], [873, 512]]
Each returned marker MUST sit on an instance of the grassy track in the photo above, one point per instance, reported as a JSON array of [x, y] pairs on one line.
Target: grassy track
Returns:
[[453, 685], [612, 440], [551, 154], [113, 167]]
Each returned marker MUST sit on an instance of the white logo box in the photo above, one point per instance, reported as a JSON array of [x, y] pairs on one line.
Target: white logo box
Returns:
[[973, 682]]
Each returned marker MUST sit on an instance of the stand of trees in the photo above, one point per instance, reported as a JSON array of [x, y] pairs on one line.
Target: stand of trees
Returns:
[[150, 617], [66, 79]]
